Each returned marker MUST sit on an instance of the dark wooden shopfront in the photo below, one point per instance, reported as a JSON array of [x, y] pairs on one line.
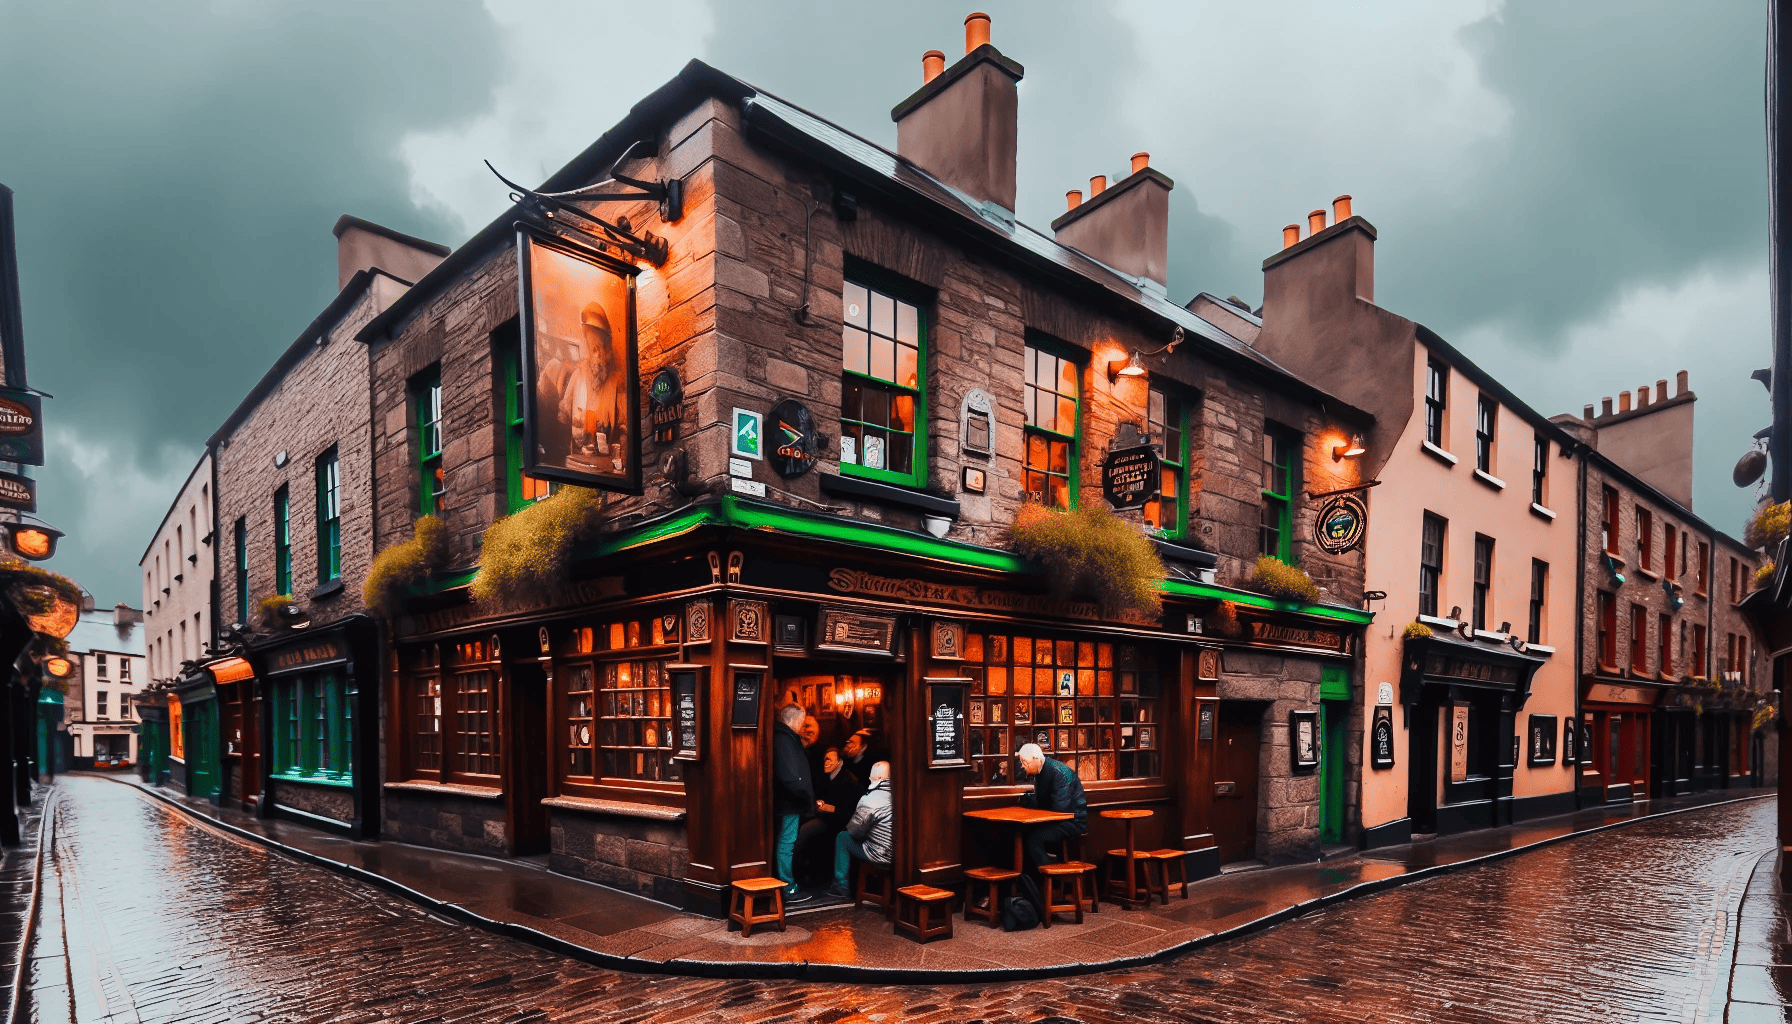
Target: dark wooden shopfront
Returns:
[[1632, 750], [1465, 697]]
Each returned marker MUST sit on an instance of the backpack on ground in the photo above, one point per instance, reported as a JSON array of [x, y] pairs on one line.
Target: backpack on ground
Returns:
[[1022, 912]]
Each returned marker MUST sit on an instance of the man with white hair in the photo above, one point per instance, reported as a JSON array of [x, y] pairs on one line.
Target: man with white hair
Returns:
[[793, 794], [871, 834], [1055, 788]]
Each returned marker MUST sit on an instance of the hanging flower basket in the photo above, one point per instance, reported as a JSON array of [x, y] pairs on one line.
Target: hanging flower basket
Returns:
[[402, 567], [1093, 554], [528, 555]]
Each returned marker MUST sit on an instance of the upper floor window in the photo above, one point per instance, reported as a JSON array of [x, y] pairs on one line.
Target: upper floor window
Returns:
[[1164, 416], [100, 703], [1431, 563], [329, 517], [1281, 478], [124, 669], [1664, 644], [1668, 536], [1645, 539], [520, 489], [1735, 580], [242, 571], [1699, 666], [1539, 471], [99, 663], [1609, 520], [282, 542], [1639, 640], [1050, 397], [1539, 594], [1607, 639], [1486, 413], [124, 705], [1704, 568], [1437, 388], [883, 415], [426, 393], [1483, 581]]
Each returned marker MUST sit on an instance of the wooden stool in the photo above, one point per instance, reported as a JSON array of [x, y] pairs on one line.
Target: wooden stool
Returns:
[[1165, 860], [922, 899], [1068, 880], [994, 879], [1125, 889], [1070, 850], [881, 895], [746, 890]]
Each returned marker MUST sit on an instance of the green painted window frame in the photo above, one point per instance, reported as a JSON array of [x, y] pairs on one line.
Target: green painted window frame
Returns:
[[1277, 515], [426, 397], [329, 516], [312, 726], [510, 359], [1033, 349], [876, 284], [1177, 461], [282, 541], [242, 570]]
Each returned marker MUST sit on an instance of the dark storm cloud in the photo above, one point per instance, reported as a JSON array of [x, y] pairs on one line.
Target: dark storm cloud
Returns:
[[178, 167]]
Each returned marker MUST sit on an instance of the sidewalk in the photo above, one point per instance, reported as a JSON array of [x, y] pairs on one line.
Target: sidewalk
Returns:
[[618, 931], [1760, 988], [20, 874]]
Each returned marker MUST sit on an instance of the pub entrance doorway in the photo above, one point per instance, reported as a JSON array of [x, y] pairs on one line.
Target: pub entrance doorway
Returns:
[[530, 752], [1235, 760]]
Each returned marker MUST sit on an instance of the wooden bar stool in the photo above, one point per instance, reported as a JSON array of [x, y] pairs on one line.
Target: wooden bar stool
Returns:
[[993, 879], [920, 902], [862, 891], [746, 891], [1131, 885], [1062, 880], [1070, 853], [1164, 860]]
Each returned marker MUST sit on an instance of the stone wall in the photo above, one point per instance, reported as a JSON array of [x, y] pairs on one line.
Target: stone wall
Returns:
[[331, 802], [635, 855], [446, 820], [1287, 804]]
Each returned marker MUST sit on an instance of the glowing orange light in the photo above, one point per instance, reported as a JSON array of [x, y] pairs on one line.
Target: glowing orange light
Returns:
[[59, 667], [32, 542]]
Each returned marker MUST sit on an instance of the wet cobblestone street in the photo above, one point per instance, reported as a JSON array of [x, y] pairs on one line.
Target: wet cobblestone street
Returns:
[[149, 915]]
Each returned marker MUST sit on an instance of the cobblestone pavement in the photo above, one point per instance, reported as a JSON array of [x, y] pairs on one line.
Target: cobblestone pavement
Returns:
[[151, 916]]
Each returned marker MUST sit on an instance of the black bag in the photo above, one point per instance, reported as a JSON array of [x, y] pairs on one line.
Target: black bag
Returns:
[[1022, 911]]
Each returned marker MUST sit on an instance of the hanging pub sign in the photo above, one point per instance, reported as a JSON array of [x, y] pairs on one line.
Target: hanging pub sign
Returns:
[[21, 427], [1130, 477], [18, 491], [665, 405], [1381, 738], [1340, 523], [581, 395], [793, 439]]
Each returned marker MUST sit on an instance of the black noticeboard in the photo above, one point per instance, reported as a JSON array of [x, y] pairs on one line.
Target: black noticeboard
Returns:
[[687, 712], [1543, 740], [748, 682], [945, 723], [1381, 738], [1130, 477]]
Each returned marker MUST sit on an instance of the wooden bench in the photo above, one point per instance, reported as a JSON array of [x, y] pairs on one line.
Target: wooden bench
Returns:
[[869, 872], [741, 905], [993, 879], [920, 901]]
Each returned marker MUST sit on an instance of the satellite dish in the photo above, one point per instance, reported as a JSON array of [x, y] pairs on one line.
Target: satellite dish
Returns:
[[1750, 467]]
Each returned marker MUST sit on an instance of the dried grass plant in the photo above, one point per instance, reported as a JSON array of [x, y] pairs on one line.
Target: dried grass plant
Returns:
[[529, 554], [1093, 554]]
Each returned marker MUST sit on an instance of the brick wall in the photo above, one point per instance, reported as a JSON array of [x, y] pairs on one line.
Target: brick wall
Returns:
[[1643, 587]]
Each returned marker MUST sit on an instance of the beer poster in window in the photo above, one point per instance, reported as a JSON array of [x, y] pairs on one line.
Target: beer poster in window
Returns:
[[946, 700], [1459, 743], [1381, 738], [1543, 740], [581, 393], [687, 712]]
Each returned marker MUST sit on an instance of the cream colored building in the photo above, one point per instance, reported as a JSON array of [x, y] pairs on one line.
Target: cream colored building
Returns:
[[177, 571], [107, 647]]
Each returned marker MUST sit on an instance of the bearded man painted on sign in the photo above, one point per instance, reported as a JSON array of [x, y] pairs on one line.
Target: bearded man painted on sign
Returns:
[[583, 388]]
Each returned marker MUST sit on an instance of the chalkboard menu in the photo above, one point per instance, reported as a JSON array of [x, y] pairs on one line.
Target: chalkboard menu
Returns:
[[945, 723], [747, 684], [1381, 738], [687, 712]]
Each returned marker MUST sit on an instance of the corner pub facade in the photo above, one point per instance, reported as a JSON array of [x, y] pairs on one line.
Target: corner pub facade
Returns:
[[860, 367]]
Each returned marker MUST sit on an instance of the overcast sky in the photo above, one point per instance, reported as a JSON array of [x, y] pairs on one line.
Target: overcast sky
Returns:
[[1573, 194]]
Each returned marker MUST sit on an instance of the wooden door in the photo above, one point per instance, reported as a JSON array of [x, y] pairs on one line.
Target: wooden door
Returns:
[[1235, 781], [528, 742]]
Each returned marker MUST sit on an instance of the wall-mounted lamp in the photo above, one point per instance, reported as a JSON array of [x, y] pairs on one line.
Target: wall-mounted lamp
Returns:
[[32, 542], [1349, 451], [59, 666], [1130, 368]]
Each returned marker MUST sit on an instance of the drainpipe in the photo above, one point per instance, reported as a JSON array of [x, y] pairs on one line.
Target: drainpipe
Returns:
[[1580, 624]]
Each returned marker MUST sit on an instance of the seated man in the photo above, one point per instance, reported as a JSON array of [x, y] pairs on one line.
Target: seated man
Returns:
[[836, 795], [1055, 788], [871, 833]]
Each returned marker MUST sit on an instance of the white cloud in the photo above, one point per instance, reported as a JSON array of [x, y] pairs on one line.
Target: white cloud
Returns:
[[576, 69], [107, 502]]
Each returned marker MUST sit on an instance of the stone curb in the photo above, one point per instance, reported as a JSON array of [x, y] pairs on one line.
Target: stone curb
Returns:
[[803, 970], [46, 826]]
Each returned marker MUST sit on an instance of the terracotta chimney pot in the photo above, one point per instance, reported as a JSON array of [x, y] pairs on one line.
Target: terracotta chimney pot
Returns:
[[1098, 185], [976, 31], [1315, 222], [1642, 396], [1340, 209], [1623, 401], [1661, 391], [1140, 161], [1073, 198], [1290, 235], [1605, 407], [932, 63], [1680, 383]]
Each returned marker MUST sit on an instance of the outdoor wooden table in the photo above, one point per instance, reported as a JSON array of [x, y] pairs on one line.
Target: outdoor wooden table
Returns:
[[1130, 856], [1020, 817]]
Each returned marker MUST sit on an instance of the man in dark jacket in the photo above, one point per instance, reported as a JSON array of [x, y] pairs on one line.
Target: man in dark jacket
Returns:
[[793, 794], [1055, 788], [836, 794]]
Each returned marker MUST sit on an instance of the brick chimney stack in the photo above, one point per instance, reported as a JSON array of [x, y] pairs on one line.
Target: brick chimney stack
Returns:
[[364, 245], [1125, 225], [962, 125], [1650, 434]]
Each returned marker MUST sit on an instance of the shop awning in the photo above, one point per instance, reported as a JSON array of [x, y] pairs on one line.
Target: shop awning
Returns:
[[230, 670]]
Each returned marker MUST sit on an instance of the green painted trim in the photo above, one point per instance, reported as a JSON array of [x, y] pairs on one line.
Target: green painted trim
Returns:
[[315, 780], [1334, 683], [918, 475], [1210, 592]]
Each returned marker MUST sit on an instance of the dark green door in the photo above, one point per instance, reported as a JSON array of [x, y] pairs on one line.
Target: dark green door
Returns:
[[201, 723], [1334, 714]]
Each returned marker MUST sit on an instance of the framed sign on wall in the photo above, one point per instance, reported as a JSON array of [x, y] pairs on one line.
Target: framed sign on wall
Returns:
[[1303, 739], [946, 699], [1381, 738], [687, 711], [1543, 740], [581, 392], [749, 681]]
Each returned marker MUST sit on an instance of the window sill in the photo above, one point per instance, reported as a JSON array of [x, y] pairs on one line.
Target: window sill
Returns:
[[1490, 480], [1183, 553], [1539, 510], [314, 780], [1432, 620], [326, 590], [1640, 571], [1438, 453], [858, 487], [615, 808], [1542, 648], [448, 789]]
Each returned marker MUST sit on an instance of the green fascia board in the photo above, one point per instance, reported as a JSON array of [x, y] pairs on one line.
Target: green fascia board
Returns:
[[313, 780], [739, 513], [49, 696]]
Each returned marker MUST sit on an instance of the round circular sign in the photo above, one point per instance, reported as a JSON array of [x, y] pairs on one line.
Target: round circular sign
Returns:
[[1341, 522], [793, 442]]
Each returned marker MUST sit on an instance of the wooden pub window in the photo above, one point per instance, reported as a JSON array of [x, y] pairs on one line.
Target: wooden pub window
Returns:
[[425, 709], [1645, 540], [1053, 387], [616, 706], [1092, 705], [1639, 640], [1608, 633]]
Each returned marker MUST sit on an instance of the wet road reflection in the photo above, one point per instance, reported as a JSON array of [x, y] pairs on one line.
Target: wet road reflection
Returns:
[[151, 916]]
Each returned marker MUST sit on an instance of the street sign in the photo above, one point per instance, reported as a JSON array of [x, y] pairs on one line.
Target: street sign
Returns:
[[18, 491], [21, 427], [749, 434]]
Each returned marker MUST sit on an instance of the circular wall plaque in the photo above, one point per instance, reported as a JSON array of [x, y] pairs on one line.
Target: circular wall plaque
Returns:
[[792, 430], [1340, 524]]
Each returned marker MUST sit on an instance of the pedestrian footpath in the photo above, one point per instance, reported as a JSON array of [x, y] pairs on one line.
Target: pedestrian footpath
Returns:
[[20, 874], [522, 900], [1760, 981]]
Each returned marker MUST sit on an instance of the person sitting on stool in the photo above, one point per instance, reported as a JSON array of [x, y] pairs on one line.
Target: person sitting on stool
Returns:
[[871, 834], [1055, 788]]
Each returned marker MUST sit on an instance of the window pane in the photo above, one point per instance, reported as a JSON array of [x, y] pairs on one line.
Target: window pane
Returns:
[[1036, 452], [1066, 377], [902, 412], [883, 315], [1066, 418], [875, 403], [883, 358], [907, 323], [857, 305], [1060, 456], [907, 365], [853, 350], [850, 402]]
